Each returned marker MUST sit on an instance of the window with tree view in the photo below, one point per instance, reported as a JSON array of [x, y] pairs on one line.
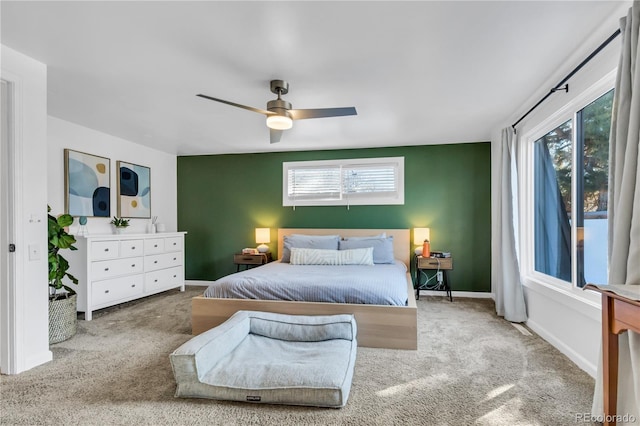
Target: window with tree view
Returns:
[[575, 153]]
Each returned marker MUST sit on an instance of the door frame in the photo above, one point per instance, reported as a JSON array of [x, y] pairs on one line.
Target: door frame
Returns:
[[10, 294]]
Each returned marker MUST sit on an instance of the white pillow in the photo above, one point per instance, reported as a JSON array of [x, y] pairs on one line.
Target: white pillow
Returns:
[[306, 256]]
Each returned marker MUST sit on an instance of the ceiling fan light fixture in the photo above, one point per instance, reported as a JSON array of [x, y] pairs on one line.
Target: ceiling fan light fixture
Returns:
[[279, 122]]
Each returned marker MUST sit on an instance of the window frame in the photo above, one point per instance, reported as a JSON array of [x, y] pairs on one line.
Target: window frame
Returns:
[[526, 222], [345, 199]]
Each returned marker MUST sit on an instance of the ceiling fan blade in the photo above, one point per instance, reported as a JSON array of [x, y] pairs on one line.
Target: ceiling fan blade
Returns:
[[300, 114], [275, 135], [258, 110]]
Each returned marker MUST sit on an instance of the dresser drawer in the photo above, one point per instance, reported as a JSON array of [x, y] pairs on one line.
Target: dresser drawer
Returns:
[[154, 245], [435, 263], [173, 244], [162, 261], [101, 250], [131, 248], [113, 268], [163, 279], [112, 290]]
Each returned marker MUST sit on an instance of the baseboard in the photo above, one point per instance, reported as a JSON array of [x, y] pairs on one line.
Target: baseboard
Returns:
[[198, 283], [574, 356], [36, 360], [470, 294]]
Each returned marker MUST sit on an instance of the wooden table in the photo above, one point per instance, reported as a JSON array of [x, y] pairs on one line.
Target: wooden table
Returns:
[[619, 314], [441, 265], [249, 260]]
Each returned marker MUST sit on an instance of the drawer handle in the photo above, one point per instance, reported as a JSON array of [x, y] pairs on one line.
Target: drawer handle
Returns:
[[174, 258], [106, 291], [106, 269], [155, 261], [106, 249], [155, 245], [133, 248], [174, 276], [133, 285], [155, 281], [175, 244]]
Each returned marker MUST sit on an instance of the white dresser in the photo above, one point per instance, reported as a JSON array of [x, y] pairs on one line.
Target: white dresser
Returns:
[[113, 269]]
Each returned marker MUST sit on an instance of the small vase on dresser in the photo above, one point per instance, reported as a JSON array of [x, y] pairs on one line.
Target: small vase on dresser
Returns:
[[118, 229], [114, 269]]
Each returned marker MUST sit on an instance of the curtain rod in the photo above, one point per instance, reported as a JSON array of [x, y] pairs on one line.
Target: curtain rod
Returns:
[[563, 85]]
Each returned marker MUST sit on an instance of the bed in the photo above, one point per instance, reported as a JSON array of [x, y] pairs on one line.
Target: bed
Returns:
[[381, 325]]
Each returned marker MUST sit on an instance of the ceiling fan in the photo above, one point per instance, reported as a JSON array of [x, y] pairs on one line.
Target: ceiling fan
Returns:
[[279, 114]]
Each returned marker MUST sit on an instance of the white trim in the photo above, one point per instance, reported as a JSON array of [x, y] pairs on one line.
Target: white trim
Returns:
[[12, 295], [586, 302], [35, 360], [6, 260], [574, 356], [26, 302], [200, 283]]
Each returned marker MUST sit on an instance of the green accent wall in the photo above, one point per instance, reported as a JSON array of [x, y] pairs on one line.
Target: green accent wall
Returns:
[[223, 198]]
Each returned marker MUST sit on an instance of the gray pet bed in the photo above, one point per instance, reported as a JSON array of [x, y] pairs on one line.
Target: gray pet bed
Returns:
[[270, 358]]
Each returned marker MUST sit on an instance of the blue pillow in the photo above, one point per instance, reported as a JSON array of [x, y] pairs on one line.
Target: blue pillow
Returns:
[[382, 247], [327, 242]]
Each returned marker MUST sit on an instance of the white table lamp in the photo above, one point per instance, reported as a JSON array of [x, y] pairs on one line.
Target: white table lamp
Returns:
[[263, 236]]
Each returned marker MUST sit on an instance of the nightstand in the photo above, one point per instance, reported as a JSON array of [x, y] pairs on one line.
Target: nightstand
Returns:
[[249, 260], [438, 268]]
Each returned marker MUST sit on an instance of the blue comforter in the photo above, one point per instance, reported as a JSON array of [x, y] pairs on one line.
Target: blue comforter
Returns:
[[380, 284]]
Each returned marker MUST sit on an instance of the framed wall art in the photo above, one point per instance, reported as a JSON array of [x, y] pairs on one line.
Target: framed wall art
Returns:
[[87, 187], [134, 190]]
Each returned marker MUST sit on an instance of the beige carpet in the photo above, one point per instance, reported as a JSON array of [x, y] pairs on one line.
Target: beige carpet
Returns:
[[471, 368]]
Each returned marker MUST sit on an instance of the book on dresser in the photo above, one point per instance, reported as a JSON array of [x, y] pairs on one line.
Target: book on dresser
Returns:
[[113, 269]]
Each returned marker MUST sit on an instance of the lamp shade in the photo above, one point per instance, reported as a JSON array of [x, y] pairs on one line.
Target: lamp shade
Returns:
[[419, 235], [263, 235]]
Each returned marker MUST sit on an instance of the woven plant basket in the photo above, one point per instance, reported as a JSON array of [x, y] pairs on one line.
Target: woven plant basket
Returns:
[[63, 319]]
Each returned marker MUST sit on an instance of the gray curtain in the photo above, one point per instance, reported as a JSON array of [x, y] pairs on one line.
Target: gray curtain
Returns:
[[624, 207], [507, 286]]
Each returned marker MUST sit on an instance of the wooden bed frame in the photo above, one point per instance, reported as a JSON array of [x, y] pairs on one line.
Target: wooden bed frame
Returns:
[[379, 326]]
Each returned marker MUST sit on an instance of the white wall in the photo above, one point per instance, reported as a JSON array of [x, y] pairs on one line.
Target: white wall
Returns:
[[25, 304], [63, 134], [569, 318], [39, 180]]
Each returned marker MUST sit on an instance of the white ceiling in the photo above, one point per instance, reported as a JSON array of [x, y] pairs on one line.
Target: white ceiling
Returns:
[[417, 72]]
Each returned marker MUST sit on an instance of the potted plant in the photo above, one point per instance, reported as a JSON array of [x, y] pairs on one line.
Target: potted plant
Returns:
[[119, 224], [62, 298]]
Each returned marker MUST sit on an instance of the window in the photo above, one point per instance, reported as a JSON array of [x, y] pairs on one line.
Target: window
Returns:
[[592, 189], [569, 196], [366, 181], [552, 201]]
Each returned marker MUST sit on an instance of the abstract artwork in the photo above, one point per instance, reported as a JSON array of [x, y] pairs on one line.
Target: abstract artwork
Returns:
[[134, 190], [87, 184]]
